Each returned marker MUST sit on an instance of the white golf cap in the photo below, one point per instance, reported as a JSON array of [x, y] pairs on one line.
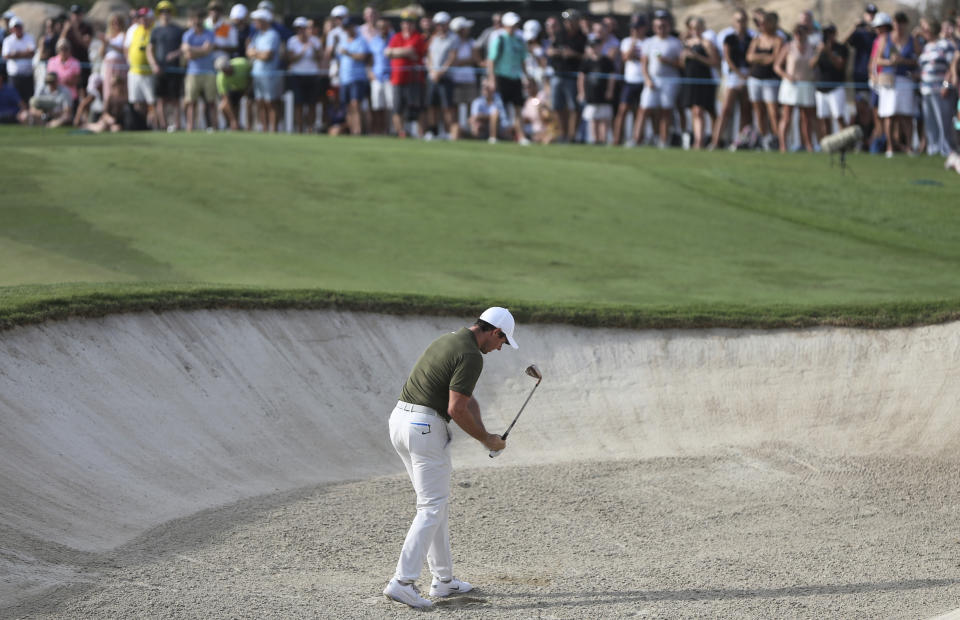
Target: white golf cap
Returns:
[[301, 22], [459, 23], [238, 12], [263, 14], [503, 320], [531, 29], [881, 19], [510, 19], [9, 15], [339, 11], [15, 21], [266, 5], [441, 18]]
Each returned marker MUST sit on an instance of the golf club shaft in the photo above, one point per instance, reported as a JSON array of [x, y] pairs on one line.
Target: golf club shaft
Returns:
[[494, 453]]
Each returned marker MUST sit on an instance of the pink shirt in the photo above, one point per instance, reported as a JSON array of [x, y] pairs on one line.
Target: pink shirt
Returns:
[[65, 71]]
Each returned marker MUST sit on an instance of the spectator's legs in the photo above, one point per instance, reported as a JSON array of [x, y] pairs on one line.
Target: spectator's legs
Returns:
[[273, 115], [297, 117], [887, 129], [759, 113], [228, 112], [353, 117], [518, 134], [191, 112], [618, 121], [210, 109], [639, 120], [698, 116], [807, 120], [786, 115], [665, 116], [450, 122], [494, 125], [772, 116], [730, 96]]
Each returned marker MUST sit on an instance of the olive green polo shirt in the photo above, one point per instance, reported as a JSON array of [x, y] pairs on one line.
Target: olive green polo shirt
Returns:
[[452, 362]]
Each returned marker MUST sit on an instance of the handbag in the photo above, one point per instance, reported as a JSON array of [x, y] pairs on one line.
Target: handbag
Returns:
[[886, 79]]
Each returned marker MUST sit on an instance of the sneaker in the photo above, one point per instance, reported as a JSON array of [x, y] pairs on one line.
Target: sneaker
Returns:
[[449, 588], [685, 140], [408, 594], [491, 140], [951, 161], [523, 141]]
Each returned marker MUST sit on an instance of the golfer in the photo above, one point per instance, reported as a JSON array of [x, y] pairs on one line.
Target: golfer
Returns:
[[440, 387]]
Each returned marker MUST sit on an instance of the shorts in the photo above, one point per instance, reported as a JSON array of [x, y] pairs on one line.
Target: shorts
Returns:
[[234, 97], [23, 84], [200, 86], [510, 91], [899, 100], [141, 88], [660, 95], [464, 92], [306, 88], [267, 87], [169, 85], [800, 94], [407, 100], [734, 80], [597, 112], [832, 104], [358, 90], [381, 95], [630, 95], [563, 93], [762, 90], [440, 93]]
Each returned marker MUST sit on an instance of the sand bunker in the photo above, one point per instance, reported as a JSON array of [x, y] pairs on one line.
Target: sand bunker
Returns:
[[237, 464]]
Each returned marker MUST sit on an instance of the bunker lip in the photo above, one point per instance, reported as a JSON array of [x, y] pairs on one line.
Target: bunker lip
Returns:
[[114, 426]]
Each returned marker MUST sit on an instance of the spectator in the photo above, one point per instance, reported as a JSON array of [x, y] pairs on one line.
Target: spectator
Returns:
[[52, 106], [794, 65], [91, 106], [505, 71], [565, 48], [464, 69], [405, 51], [18, 49], [595, 88], [6, 18], [197, 47], [332, 42], [265, 49], [939, 103], [535, 63], [737, 72], [763, 85], [483, 41], [368, 29], [67, 69], [700, 93], [896, 58], [830, 73], [165, 52], [631, 50], [239, 17], [488, 117], [540, 122], [11, 105], [79, 33], [814, 37], [861, 38], [276, 21], [441, 50], [662, 62], [114, 62], [233, 83], [381, 90], [353, 57], [304, 52], [225, 37], [141, 84]]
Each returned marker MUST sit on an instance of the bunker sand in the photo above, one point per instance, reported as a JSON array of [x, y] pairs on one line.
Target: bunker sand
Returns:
[[236, 464]]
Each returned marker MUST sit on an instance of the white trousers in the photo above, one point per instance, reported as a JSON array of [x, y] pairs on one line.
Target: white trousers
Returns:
[[423, 442]]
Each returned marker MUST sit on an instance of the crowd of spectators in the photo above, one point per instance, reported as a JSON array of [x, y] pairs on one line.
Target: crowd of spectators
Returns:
[[759, 83]]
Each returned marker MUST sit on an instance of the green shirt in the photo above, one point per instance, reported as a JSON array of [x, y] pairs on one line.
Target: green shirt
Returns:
[[452, 362], [239, 81], [507, 53]]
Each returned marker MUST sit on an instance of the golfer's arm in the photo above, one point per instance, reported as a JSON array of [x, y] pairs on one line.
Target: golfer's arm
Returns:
[[465, 411]]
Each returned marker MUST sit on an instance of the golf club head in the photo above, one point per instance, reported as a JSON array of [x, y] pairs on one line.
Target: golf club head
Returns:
[[534, 372]]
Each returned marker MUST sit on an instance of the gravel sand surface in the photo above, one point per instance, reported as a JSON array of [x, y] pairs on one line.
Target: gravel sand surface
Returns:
[[767, 532]]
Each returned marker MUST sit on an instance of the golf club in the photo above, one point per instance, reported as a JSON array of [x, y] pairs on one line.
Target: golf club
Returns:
[[534, 372]]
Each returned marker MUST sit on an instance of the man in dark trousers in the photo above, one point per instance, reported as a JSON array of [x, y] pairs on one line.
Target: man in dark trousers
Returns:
[[440, 388]]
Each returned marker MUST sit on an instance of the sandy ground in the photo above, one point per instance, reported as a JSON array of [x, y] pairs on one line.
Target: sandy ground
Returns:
[[763, 533], [236, 465]]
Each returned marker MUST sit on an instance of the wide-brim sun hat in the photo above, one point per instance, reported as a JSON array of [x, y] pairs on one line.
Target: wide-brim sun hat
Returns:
[[502, 320]]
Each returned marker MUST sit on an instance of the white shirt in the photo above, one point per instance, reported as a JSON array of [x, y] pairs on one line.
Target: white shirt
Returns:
[[465, 74], [115, 47], [655, 48], [307, 65], [224, 35], [632, 69], [11, 45], [334, 37]]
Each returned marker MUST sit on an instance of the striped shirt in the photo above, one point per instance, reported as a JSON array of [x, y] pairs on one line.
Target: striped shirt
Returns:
[[934, 64]]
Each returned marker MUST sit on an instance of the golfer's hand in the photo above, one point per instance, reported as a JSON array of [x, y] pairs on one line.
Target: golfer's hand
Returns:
[[494, 443]]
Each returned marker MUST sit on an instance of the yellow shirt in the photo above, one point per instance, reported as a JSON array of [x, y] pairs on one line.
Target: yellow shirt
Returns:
[[137, 54]]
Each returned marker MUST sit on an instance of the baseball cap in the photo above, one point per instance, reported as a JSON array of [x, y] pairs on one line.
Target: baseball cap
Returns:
[[221, 63], [501, 319], [164, 5], [15, 21], [263, 14], [510, 19], [8, 15], [661, 14], [441, 18], [881, 19], [301, 22], [638, 21], [870, 8], [238, 12], [339, 11], [76, 8]]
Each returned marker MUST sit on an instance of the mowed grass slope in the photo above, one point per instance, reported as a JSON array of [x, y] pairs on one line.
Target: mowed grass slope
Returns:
[[655, 231]]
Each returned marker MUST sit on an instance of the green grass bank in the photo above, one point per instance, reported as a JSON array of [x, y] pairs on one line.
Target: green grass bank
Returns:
[[586, 235]]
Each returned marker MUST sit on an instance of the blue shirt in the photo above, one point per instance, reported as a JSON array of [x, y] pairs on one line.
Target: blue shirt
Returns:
[[262, 42], [197, 39], [352, 70], [862, 43], [381, 67], [9, 101]]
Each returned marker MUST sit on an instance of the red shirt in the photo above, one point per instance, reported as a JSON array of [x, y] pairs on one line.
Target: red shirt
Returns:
[[407, 70]]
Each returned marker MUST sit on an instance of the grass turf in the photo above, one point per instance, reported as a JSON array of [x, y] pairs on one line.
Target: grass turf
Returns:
[[92, 224]]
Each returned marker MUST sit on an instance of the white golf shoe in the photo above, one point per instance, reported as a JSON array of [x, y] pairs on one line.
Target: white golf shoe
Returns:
[[449, 588], [406, 593]]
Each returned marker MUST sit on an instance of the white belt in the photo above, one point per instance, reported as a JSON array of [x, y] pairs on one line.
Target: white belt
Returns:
[[415, 408]]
